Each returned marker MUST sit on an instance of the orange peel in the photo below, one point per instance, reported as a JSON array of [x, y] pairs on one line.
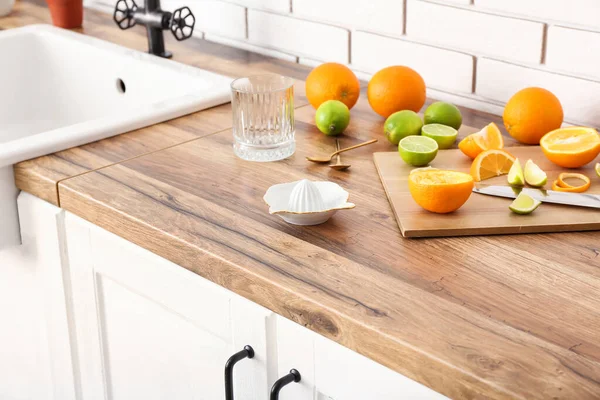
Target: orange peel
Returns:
[[560, 184]]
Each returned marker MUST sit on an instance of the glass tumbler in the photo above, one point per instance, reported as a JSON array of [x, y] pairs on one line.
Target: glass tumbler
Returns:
[[263, 117]]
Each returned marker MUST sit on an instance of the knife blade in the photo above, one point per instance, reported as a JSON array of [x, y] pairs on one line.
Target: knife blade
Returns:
[[545, 196]]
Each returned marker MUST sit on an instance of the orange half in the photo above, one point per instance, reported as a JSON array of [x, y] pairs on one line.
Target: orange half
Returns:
[[571, 147], [440, 191], [491, 163], [488, 138]]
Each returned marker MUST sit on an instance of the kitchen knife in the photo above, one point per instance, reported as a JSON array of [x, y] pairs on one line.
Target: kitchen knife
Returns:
[[545, 196]]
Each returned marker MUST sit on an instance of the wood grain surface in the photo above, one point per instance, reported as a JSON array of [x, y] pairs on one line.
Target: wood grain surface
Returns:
[[513, 316], [482, 215], [40, 176], [472, 317]]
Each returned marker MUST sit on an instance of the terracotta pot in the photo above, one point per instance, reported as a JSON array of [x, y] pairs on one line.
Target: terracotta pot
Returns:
[[66, 13]]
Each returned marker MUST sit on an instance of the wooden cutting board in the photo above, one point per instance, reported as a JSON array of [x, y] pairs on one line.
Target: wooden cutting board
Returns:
[[481, 214]]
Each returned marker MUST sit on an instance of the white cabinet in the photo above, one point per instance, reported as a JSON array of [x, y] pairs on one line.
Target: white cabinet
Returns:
[[149, 329], [92, 316]]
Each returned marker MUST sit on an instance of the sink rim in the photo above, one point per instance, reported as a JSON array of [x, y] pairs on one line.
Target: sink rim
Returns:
[[92, 130]]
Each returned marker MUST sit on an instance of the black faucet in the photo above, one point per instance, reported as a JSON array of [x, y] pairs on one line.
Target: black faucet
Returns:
[[180, 22]]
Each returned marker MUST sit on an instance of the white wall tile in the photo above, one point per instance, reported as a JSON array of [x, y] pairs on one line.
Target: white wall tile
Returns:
[[250, 47], [383, 16], [462, 2], [275, 5], [309, 62], [459, 28], [213, 16], [362, 76], [442, 69], [580, 98], [573, 50], [577, 12], [298, 36]]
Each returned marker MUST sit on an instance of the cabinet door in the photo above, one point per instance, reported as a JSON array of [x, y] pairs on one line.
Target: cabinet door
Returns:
[[147, 328], [333, 372]]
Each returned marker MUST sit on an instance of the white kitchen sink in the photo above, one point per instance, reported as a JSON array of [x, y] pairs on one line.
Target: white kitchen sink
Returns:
[[60, 89]]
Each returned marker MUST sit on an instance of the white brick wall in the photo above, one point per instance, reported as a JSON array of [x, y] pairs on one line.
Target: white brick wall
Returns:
[[477, 32], [231, 21], [365, 15], [475, 53], [574, 51], [274, 5], [444, 69], [572, 12], [299, 36]]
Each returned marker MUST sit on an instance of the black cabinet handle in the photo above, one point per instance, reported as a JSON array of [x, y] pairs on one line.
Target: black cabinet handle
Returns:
[[293, 376], [248, 352]]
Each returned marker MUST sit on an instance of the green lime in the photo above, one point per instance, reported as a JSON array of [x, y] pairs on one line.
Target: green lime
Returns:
[[402, 124], [524, 204], [445, 136], [417, 150], [515, 174], [443, 113], [534, 176], [332, 117], [597, 168]]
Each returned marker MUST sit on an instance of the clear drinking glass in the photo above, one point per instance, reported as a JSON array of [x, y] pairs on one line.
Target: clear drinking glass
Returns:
[[263, 117]]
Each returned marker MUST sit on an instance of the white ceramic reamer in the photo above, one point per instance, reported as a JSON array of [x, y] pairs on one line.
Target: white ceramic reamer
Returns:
[[305, 202]]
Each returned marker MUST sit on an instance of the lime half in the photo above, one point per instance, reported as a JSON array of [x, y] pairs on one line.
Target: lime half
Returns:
[[534, 176], [597, 168], [417, 151], [515, 174], [524, 204], [445, 136]]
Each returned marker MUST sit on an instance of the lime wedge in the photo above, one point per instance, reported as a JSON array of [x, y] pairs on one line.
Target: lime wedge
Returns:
[[524, 204], [597, 168], [417, 151], [534, 176], [445, 136], [515, 174]]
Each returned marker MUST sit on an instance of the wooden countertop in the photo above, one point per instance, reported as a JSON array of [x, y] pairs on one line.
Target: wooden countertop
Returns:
[[473, 317]]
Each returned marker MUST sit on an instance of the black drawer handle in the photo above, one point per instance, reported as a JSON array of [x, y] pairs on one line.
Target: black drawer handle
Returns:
[[293, 376], [248, 352]]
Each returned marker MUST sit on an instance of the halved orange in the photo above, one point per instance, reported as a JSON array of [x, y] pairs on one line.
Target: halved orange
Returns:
[[491, 163], [440, 191], [571, 147], [561, 184], [488, 138]]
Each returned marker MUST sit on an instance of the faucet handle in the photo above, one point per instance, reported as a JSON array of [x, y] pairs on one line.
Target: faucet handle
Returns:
[[123, 14], [182, 23]]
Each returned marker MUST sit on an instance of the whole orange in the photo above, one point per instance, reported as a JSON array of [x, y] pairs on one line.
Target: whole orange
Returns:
[[332, 81], [394, 89], [531, 113]]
